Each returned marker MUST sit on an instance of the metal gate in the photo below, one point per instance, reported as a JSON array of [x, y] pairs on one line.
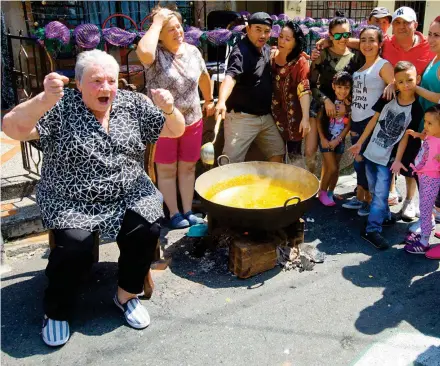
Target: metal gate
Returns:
[[29, 68], [356, 10]]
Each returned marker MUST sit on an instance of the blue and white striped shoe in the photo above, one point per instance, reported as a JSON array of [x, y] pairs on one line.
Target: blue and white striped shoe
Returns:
[[55, 332], [135, 313]]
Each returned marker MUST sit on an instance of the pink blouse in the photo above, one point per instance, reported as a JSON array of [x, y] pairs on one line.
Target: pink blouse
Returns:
[[426, 162]]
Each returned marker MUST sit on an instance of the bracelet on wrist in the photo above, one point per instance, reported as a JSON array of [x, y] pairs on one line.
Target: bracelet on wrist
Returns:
[[168, 114]]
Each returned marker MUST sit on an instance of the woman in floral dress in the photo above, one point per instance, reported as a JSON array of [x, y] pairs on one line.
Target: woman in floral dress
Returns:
[[291, 89]]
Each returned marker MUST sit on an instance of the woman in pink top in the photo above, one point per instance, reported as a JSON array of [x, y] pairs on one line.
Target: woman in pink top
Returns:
[[179, 67], [427, 168]]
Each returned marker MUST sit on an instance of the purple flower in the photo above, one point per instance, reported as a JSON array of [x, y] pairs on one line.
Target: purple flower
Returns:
[[118, 37], [192, 36], [357, 31], [283, 17], [57, 30], [87, 36], [322, 34], [304, 29], [238, 28], [317, 32], [274, 17], [190, 39], [276, 30], [309, 20], [245, 13], [195, 32], [219, 36]]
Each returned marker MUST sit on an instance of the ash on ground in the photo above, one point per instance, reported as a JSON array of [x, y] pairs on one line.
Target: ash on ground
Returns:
[[302, 256]]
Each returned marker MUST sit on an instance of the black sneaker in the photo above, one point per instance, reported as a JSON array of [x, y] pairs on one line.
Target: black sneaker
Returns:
[[389, 222], [376, 239]]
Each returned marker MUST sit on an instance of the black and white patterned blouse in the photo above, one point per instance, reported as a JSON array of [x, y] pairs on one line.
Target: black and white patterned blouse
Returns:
[[90, 178]]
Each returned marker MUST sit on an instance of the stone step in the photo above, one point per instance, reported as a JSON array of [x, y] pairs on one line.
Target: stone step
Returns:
[[20, 217], [18, 186], [26, 245]]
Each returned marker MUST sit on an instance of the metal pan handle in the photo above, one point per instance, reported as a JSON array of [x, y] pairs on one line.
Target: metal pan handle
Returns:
[[291, 199], [219, 160]]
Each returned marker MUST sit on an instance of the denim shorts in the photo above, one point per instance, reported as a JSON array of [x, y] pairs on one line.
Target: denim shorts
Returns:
[[338, 150], [358, 128]]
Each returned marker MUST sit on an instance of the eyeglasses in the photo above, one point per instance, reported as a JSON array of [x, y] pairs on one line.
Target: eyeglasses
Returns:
[[338, 36]]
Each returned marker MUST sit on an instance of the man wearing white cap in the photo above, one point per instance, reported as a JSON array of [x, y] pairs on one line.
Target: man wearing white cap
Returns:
[[407, 44]]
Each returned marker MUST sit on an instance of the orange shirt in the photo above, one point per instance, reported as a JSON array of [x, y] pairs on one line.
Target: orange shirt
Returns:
[[420, 55]]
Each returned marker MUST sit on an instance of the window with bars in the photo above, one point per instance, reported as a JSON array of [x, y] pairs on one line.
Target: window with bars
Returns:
[[357, 10], [73, 13], [69, 12], [419, 8]]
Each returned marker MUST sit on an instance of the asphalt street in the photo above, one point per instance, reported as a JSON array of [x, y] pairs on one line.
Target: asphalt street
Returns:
[[359, 307]]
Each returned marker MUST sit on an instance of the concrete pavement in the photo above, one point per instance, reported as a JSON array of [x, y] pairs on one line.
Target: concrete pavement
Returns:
[[357, 307]]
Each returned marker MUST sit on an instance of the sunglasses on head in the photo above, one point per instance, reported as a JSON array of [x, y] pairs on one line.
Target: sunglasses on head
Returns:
[[338, 36]]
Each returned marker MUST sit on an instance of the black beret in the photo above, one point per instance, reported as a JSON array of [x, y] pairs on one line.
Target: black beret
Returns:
[[260, 18]]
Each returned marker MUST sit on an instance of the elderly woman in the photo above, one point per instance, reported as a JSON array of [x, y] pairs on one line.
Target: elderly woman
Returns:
[[177, 66], [93, 141]]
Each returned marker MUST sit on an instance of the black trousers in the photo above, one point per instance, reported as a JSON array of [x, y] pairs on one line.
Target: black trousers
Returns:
[[72, 256]]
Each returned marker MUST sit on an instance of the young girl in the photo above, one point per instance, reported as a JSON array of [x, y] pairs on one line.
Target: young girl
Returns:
[[369, 83], [331, 60], [427, 168], [332, 132]]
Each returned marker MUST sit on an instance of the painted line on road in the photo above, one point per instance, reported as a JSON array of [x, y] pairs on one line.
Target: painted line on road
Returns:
[[403, 349]]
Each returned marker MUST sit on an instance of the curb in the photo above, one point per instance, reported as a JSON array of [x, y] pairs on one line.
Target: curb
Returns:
[[26, 245], [14, 250], [18, 190], [19, 228]]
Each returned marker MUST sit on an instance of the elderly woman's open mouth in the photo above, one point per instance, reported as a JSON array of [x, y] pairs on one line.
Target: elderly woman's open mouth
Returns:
[[103, 100]]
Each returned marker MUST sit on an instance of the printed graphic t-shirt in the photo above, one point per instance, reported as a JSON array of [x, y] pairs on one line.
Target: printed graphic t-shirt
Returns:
[[394, 120], [337, 124]]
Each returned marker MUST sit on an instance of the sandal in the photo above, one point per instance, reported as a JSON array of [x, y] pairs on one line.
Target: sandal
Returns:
[[416, 248], [193, 219], [437, 234], [178, 222]]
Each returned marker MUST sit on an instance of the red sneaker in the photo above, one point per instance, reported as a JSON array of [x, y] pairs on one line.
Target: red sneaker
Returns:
[[433, 253]]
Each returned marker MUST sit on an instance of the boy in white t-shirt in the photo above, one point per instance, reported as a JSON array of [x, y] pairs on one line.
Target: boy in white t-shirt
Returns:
[[387, 127]]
